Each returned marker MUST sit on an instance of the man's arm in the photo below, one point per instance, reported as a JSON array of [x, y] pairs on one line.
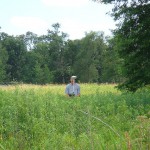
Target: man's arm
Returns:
[[78, 91], [67, 91]]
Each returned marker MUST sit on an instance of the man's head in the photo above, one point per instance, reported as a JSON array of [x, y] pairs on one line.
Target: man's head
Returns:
[[72, 79]]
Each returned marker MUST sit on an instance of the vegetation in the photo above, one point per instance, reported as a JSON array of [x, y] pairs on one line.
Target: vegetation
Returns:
[[53, 58], [132, 40], [41, 117]]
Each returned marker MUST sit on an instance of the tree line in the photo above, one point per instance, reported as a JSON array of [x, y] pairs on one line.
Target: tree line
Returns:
[[53, 58]]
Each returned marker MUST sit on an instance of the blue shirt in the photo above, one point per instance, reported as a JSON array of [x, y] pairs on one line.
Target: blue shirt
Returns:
[[72, 89]]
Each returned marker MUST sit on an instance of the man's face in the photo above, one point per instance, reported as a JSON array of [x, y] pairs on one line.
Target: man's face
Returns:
[[72, 81]]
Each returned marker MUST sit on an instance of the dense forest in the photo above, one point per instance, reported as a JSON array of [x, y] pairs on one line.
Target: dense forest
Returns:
[[53, 58]]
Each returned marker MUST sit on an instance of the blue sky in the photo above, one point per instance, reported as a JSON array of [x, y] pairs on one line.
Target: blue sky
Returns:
[[75, 16]]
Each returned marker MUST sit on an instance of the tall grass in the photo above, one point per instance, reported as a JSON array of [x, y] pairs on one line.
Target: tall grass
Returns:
[[41, 117]]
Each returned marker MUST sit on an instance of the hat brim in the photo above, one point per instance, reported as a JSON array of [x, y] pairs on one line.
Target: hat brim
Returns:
[[73, 77]]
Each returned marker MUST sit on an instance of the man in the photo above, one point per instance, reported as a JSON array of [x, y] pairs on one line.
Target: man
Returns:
[[72, 89]]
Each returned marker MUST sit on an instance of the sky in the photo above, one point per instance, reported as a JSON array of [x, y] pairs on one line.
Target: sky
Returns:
[[75, 17]]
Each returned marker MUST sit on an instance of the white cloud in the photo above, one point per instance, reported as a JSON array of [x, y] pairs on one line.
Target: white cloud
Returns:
[[29, 23], [77, 28], [64, 3]]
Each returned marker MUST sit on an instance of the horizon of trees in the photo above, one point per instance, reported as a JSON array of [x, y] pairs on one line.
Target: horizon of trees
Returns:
[[53, 58], [123, 58]]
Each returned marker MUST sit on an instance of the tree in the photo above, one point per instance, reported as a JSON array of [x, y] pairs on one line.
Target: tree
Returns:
[[111, 63], [88, 63], [132, 41], [16, 50], [41, 51], [3, 65], [57, 47], [71, 57], [30, 39]]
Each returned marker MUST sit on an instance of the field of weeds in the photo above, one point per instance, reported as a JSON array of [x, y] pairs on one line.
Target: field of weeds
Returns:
[[43, 118]]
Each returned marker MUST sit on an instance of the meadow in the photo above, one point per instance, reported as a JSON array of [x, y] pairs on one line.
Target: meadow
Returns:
[[36, 117]]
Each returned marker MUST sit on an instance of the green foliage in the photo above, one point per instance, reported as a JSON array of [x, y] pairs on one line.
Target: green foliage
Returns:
[[3, 60], [41, 117], [16, 51], [132, 41], [90, 56], [134, 47], [112, 64], [52, 58], [56, 49]]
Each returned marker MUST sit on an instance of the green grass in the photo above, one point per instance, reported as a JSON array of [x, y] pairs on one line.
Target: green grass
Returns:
[[42, 118]]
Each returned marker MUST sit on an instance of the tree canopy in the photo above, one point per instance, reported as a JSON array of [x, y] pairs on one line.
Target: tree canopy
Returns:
[[53, 58]]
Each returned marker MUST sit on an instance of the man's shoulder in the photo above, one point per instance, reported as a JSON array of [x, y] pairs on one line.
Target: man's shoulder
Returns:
[[68, 85], [77, 84]]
